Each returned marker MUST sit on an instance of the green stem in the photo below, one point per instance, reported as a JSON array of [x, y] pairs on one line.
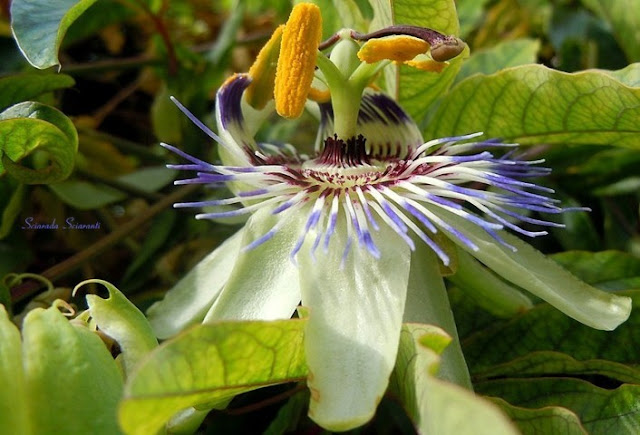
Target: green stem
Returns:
[[365, 72], [345, 98]]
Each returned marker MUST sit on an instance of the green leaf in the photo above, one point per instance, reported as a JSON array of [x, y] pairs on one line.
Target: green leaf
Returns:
[[416, 90], [600, 268], [20, 87], [28, 127], [73, 384], [121, 320], [13, 396], [626, 186], [506, 54], [547, 420], [549, 363], [84, 195], [629, 75], [102, 14], [87, 196], [210, 363], [534, 104], [601, 411], [436, 406], [40, 25], [439, 15], [623, 17], [543, 328], [584, 168]]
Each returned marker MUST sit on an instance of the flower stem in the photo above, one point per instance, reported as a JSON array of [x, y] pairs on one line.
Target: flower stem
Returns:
[[345, 98]]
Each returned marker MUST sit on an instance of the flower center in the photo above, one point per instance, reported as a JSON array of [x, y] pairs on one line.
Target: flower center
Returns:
[[344, 154], [344, 164]]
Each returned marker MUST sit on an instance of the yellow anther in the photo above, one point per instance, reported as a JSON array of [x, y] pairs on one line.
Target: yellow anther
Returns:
[[400, 48], [319, 96], [427, 65], [263, 72], [297, 60]]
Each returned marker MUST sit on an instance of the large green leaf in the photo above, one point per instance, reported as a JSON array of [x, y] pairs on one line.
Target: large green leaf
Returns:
[[40, 25], [117, 317], [601, 411], [416, 90], [72, 383], [629, 75], [547, 420], [28, 127], [210, 363], [534, 104], [13, 395], [436, 406], [549, 363], [21, 87], [624, 18], [545, 329], [506, 54], [601, 269]]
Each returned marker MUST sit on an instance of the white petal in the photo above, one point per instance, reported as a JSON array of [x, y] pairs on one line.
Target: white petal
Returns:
[[428, 303], [489, 291], [353, 331], [386, 126], [542, 276], [264, 283], [189, 300]]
